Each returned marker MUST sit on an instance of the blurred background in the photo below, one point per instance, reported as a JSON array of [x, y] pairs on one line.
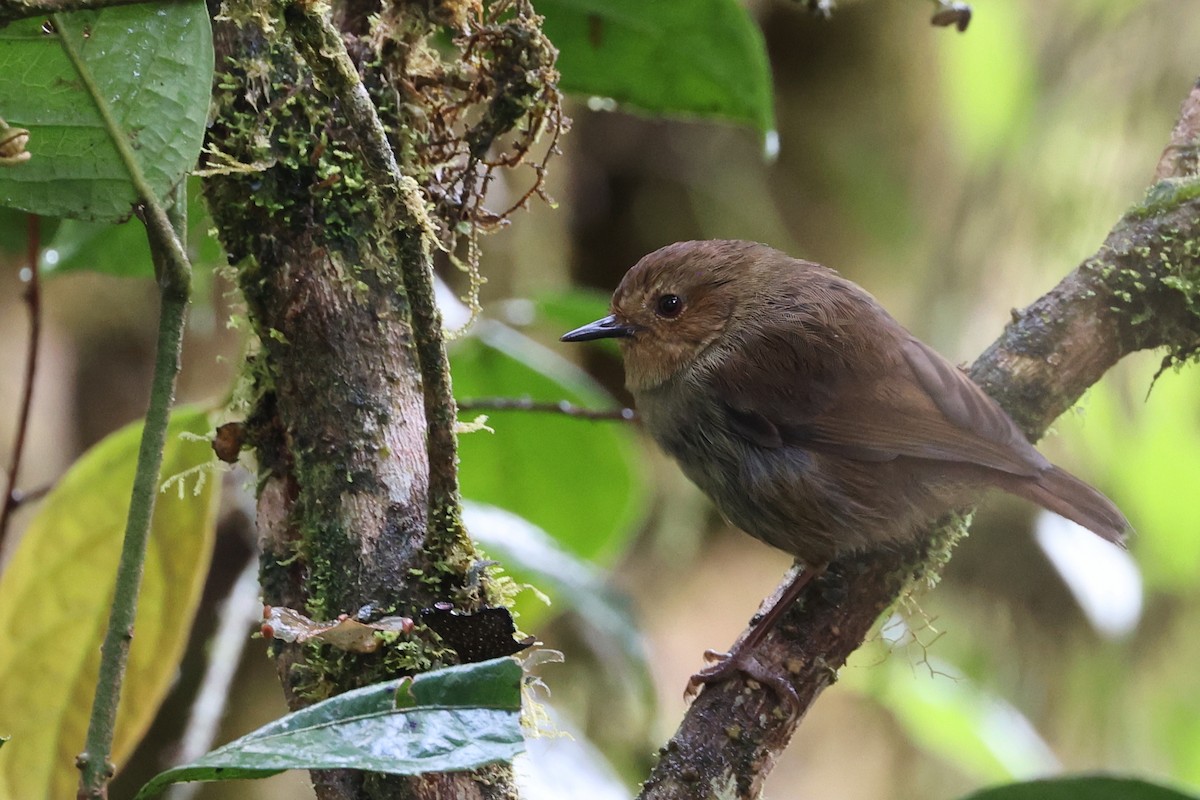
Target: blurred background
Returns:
[[955, 176]]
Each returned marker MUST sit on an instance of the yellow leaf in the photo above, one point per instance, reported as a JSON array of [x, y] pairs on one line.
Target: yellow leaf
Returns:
[[54, 604]]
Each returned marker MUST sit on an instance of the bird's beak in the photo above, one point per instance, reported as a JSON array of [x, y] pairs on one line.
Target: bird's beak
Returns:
[[607, 328]]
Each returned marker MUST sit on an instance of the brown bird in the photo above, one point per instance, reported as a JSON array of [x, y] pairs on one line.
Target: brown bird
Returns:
[[812, 419]]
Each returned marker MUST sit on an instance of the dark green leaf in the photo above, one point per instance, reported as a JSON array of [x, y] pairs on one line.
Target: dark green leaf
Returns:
[[451, 719], [122, 250], [144, 77], [579, 480], [1081, 788], [487, 684], [14, 231], [690, 57]]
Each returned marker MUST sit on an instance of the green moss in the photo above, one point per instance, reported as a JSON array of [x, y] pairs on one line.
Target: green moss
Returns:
[[1149, 271], [327, 671], [1164, 196], [950, 531]]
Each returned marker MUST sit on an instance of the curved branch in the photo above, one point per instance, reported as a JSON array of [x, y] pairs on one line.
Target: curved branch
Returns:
[[1140, 290]]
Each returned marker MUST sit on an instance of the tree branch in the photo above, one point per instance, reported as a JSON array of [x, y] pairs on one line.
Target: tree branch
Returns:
[[563, 407], [33, 299], [1140, 290]]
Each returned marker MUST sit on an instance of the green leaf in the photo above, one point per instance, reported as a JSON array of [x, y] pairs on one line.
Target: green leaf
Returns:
[[580, 480], [1081, 788], [688, 57], [569, 309], [451, 719], [143, 78], [119, 250], [123, 251], [54, 604]]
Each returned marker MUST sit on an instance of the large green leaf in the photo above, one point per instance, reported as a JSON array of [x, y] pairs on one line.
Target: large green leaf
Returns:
[[1082, 788], [140, 75], [689, 57], [123, 250], [577, 479], [451, 719], [54, 604]]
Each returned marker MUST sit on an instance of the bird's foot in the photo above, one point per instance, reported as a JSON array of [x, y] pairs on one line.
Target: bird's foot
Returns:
[[726, 665]]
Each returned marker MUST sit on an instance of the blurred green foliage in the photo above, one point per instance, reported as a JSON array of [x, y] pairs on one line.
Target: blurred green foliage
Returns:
[[577, 479], [705, 56]]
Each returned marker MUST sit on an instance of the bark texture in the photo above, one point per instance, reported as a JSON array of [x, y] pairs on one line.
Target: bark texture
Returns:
[[321, 246]]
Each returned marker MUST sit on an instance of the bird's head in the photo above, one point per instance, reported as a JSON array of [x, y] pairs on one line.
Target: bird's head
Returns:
[[674, 304]]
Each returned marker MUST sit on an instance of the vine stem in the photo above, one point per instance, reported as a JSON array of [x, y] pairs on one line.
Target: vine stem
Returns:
[[33, 299], [173, 270], [94, 762]]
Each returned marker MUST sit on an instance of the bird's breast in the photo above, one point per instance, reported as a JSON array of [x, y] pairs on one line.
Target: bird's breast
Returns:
[[810, 504]]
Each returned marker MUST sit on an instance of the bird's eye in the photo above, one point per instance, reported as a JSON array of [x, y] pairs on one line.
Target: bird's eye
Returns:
[[668, 305]]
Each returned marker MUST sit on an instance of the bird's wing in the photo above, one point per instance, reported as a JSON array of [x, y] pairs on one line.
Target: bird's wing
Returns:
[[911, 403]]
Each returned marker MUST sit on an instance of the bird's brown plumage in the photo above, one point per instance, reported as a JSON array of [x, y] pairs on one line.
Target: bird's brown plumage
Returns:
[[812, 418]]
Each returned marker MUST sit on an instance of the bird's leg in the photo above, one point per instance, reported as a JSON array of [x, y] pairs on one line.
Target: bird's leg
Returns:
[[740, 657]]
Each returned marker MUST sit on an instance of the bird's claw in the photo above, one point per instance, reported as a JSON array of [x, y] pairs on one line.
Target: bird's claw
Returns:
[[726, 664]]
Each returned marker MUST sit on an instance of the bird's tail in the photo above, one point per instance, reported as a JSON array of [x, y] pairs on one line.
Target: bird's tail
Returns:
[[1061, 492]]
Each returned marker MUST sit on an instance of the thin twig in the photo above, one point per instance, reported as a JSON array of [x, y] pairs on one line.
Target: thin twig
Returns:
[[563, 407], [166, 234], [20, 497], [33, 299]]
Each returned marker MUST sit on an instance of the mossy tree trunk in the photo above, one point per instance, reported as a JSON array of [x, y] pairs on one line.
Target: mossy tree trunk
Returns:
[[327, 233]]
